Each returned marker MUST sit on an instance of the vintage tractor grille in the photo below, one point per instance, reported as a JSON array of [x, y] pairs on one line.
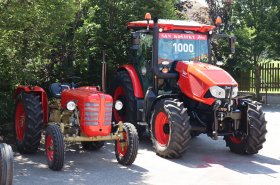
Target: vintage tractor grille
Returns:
[[92, 113], [108, 113]]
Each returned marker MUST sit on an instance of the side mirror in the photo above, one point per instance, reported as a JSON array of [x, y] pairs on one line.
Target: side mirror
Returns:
[[232, 41]]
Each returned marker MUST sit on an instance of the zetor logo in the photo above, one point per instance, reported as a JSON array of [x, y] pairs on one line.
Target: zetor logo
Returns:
[[185, 74]]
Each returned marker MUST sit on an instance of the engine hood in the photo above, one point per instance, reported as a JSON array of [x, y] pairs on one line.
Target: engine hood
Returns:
[[195, 79], [209, 74]]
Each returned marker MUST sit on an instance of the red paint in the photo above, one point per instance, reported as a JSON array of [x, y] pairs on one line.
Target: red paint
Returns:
[[41, 92], [137, 87], [235, 140], [161, 120], [49, 147], [196, 78], [122, 151], [92, 106], [118, 93], [20, 121], [167, 25]]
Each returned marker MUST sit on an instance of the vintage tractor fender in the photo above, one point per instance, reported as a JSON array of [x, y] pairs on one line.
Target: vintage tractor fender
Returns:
[[37, 90], [137, 87]]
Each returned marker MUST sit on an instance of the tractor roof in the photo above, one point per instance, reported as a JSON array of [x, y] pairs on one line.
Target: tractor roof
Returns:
[[171, 25]]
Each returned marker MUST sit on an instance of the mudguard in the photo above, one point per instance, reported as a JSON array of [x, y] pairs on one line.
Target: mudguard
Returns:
[[137, 87], [37, 90]]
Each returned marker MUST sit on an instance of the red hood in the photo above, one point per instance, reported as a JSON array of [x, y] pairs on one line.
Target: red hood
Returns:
[[196, 78], [209, 74]]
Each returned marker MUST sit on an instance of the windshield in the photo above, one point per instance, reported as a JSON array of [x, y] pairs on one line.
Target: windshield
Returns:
[[182, 46]]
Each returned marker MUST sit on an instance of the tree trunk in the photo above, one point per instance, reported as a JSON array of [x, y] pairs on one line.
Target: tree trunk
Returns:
[[258, 81]]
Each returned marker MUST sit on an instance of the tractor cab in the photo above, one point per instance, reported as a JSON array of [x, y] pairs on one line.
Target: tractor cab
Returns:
[[160, 50]]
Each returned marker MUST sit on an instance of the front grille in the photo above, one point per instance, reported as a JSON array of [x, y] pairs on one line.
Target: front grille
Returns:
[[92, 113], [108, 113]]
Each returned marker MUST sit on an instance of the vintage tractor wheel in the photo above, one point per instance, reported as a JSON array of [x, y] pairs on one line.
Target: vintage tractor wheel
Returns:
[[127, 153], [170, 128], [92, 145], [122, 89], [6, 164], [252, 142], [28, 122], [54, 144]]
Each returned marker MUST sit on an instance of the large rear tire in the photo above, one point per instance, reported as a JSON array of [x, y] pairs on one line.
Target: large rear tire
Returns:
[[6, 164], [28, 122], [92, 145], [54, 144], [126, 155], [170, 128], [252, 142], [122, 89]]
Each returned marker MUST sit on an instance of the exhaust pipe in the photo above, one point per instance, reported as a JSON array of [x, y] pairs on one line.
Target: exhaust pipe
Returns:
[[104, 70]]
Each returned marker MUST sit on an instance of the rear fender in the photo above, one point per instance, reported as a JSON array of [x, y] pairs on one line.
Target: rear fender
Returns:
[[39, 91], [137, 87]]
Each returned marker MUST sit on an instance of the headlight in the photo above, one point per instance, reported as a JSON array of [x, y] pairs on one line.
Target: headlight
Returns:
[[218, 92], [118, 105], [234, 92], [71, 105]]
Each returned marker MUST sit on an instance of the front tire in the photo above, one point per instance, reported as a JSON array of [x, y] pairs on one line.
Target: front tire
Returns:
[[126, 155], [6, 164], [252, 142], [122, 89], [170, 128], [54, 144], [28, 122]]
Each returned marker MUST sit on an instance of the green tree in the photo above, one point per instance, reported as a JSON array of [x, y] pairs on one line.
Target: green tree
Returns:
[[257, 32]]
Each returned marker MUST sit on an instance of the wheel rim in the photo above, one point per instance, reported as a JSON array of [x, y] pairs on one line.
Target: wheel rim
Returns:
[[20, 121], [119, 93], [161, 123], [122, 150], [49, 147], [235, 140]]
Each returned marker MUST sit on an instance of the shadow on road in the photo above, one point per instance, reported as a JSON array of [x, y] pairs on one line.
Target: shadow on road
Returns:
[[84, 167], [205, 154]]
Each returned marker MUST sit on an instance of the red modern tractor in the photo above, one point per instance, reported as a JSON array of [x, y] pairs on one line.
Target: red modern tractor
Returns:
[[173, 87], [70, 114]]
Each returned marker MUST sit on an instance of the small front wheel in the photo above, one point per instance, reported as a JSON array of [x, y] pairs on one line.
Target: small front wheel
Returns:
[[6, 164], [126, 150], [54, 147]]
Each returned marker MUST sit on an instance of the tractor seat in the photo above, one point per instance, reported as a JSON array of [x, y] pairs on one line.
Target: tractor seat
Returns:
[[57, 88]]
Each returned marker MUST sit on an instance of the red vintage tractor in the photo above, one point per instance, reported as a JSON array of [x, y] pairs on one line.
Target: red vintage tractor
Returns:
[[70, 114], [173, 87]]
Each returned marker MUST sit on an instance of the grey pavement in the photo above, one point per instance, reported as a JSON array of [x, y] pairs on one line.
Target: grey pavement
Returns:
[[205, 162]]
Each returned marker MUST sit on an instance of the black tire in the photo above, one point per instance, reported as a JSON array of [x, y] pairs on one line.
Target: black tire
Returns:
[[54, 144], [6, 164], [170, 128], [129, 111], [92, 145], [128, 155], [253, 142], [29, 125]]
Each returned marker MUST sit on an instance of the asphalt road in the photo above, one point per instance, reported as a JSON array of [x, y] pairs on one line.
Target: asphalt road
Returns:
[[205, 162]]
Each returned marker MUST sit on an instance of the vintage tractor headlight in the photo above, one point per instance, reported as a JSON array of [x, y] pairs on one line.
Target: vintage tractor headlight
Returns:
[[118, 105], [234, 92], [218, 92], [71, 105]]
